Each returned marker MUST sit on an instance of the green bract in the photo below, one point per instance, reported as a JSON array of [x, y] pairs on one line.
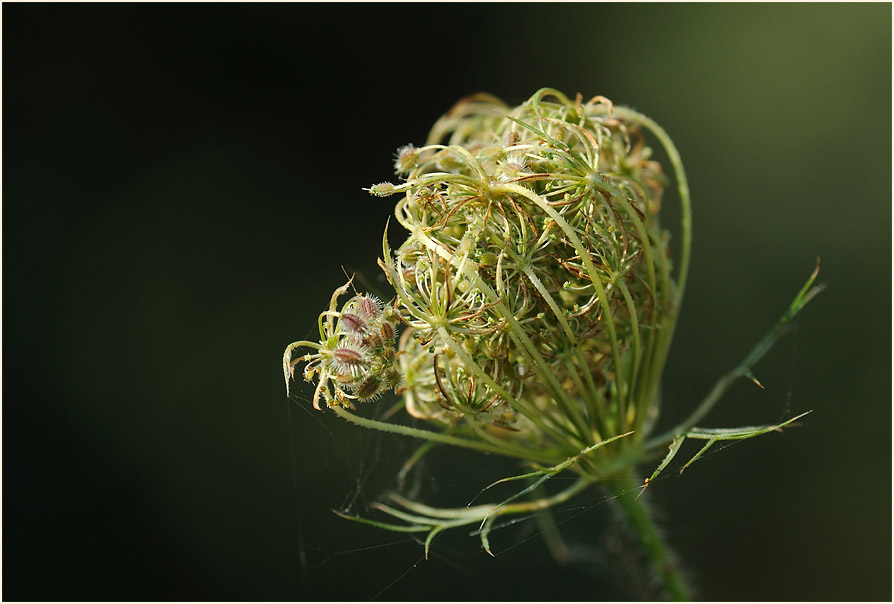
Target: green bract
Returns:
[[538, 295]]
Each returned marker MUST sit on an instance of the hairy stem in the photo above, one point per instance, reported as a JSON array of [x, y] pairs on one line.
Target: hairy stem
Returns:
[[660, 556]]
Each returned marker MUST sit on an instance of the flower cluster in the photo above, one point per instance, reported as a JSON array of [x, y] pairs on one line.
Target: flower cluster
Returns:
[[538, 298], [355, 353], [535, 278], [534, 284]]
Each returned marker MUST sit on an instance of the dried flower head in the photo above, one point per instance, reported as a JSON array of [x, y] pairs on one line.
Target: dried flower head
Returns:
[[538, 295], [354, 360]]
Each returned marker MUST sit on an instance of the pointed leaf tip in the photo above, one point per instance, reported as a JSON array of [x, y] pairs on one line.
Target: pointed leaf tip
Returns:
[[646, 484], [747, 373]]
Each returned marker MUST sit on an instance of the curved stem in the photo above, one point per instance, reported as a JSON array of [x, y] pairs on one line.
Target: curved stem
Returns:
[[507, 449], [682, 186], [472, 366], [664, 340], [662, 559], [517, 334], [571, 410], [585, 258], [481, 511], [624, 405]]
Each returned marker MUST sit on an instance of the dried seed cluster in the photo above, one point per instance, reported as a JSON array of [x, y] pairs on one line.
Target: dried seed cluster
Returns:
[[356, 352], [536, 290], [534, 283]]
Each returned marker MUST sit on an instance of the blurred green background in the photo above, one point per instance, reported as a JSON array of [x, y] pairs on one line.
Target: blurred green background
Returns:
[[182, 187]]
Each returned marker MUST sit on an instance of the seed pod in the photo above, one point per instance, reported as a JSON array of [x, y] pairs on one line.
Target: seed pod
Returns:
[[369, 388], [348, 362], [387, 331], [348, 356], [353, 323], [406, 159], [373, 340], [370, 308]]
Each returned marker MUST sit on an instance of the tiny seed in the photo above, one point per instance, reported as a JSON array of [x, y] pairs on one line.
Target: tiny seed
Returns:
[[387, 331], [368, 388], [348, 356], [368, 307], [373, 341], [354, 323]]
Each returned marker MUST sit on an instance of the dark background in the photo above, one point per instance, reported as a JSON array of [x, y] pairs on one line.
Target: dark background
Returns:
[[182, 186]]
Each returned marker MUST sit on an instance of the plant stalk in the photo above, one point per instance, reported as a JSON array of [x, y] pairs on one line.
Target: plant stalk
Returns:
[[662, 559]]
